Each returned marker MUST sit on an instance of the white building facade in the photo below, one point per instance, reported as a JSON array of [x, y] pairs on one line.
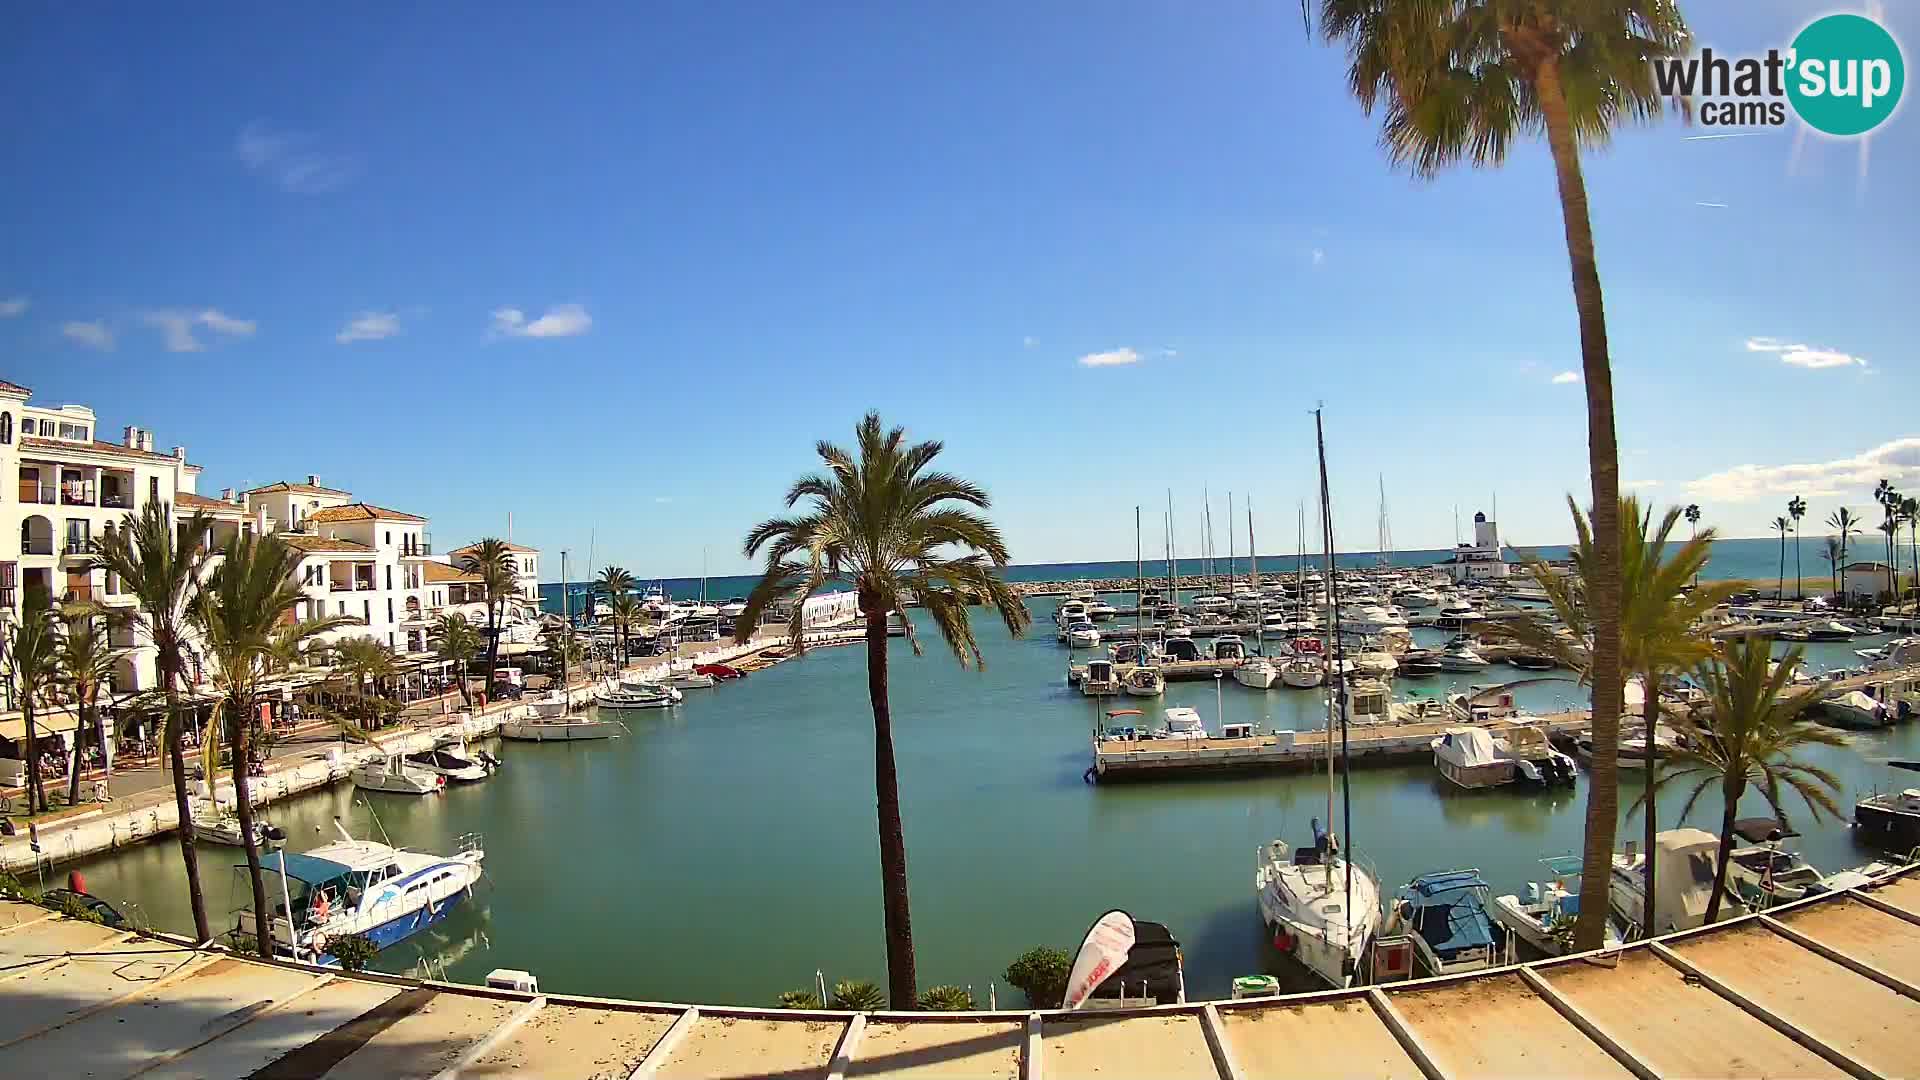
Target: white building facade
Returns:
[[1480, 560]]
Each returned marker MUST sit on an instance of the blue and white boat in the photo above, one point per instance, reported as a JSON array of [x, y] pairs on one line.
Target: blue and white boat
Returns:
[[360, 887], [1445, 916]]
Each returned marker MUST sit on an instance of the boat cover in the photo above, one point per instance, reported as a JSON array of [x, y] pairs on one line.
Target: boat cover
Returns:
[[1449, 914], [1154, 959], [1470, 746]]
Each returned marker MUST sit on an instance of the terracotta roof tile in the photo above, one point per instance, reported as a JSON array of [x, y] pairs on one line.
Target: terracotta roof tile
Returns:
[[510, 547], [313, 544], [35, 442], [360, 512], [303, 489], [15, 388], [439, 573], [187, 500]]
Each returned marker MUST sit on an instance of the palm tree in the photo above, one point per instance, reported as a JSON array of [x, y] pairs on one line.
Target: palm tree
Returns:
[[1843, 522], [366, 662], [1781, 525], [1749, 737], [33, 669], [1910, 513], [626, 615], [492, 562], [1797, 509], [455, 639], [160, 566], [1693, 529], [1657, 635], [1463, 79], [879, 519], [1889, 500], [1836, 555], [614, 582], [86, 659], [242, 613]]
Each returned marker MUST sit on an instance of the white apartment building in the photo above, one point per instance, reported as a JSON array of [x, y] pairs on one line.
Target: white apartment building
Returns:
[[526, 567]]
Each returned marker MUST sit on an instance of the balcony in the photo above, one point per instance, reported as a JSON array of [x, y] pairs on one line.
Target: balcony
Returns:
[[77, 493], [419, 550], [116, 500], [77, 545], [33, 492]]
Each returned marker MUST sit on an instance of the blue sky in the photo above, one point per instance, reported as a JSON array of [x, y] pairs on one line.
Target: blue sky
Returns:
[[615, 268]]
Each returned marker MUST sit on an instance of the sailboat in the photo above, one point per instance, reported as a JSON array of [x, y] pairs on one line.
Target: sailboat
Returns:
[[1318, 906], [1303, 670]]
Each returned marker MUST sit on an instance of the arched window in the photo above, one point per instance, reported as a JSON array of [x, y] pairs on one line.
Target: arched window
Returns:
[[6, 427]]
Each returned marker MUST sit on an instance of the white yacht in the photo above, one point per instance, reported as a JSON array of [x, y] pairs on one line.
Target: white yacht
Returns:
[[1144, 681], [1460, 656], [1101, 611], [360, 887], [1416, 598], [682, 676], [1373, 619], [1256, 672], [1545, 918], [1377, 663], [1303, 672], [451, 758], [222, 826], [1469, 758], [1308, 911], [1229, 647], [1184, 723], [1213, 602], [1083, 635], [1099, 679], [1684, 882], [734, 608], [632, 694], [395, 774]]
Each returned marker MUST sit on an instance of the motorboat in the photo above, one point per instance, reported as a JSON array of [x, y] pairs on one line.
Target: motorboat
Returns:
[[1377, 663], [1416, 598], [1685, 860], [1256, 672], [1457, 615], [1532, 661], [1213, 602], [1481, 704], [451, 759], [1184, 723], [1307, 909], [1898, 653], [1180, 647], [1101, 611], [631, 695], [1229, 647], [1445, 916], [1535, 761], [1083, 635], [1419, 664], [1545, 919], [721, 672], [1135, 652], [1144, 681], [1890, 819], [222, 826], [1632, 746], [1830, 630], [1303, 673], [1459, 655], [1762, 872], [1067, 614], [360, 887], [682, 675], [734, 607], [1373, 619], [1855, 710], [396, 775], [1100, 680], [1369, 701], [552, 706], [1468, 758]]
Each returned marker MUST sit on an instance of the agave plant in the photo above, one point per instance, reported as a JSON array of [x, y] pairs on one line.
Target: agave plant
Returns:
[[800, 999], [858, 996], [947, 999]]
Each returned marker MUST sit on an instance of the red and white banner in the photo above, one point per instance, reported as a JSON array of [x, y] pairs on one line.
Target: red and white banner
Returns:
[[1101, 954]]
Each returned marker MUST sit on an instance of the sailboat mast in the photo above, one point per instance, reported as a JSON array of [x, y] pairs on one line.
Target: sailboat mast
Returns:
[[1139, 575], [1340, 651], [1206, 534], [1229, 544], [1253, 582], [566, 620], [1173, 558]]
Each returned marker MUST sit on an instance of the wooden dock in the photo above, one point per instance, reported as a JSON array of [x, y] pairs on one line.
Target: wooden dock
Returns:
[[1367, 744]]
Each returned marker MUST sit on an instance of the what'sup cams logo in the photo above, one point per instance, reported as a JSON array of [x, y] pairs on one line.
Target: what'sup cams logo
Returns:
[[1842, 76]]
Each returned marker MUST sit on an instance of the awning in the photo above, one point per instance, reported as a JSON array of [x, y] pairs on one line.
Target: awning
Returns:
[[15, 728]]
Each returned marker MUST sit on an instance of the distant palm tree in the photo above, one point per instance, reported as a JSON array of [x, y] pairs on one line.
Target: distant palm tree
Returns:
[[898, 532], [33, 670], [1835, 555], [86, 661], [366, 662], [1466, 79], [1910, 513], [160, 563], [243, 614], [1658, 635], [1749, 736], [1781, 525], [1889, 500], [491, 560], [613, 583], [1693, 529], [456, 640], [1796, 509], [626, 615], [1847, 526]]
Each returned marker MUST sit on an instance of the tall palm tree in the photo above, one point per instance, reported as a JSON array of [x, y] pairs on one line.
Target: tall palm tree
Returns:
[[33, 669], [879, 519], [626, 615], [1889, 499], [613, 583], [1465, 78], [1749, 738], [160, 565], [242, 613], [492, 562], [366, 662], [1843, 522], [1797, 509], [1693, 529], [1781, 525], [1836, 556], [456, 640], [86, 660], [1910, 513]]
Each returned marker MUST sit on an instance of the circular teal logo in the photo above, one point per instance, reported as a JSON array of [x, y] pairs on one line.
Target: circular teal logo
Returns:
[[1846, 75]]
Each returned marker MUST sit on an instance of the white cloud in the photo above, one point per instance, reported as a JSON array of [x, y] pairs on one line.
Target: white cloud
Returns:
[[564, 320], [13, 305], [1029, 342], [1804, 356], [1318, 257], [94, 335], [1110, 358], [663, 498], [369, 326], [177, 327], [1898, 460], [1565, 378], [293, 161], [1639, 483], [1169, 352]]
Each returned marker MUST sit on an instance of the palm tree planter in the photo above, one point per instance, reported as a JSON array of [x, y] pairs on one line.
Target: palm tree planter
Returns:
[[1463, 79], [881, 521]]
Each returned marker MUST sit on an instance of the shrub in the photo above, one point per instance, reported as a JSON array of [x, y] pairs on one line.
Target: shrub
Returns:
[[75, 908], [353, 950], [1041, 974], [800, 999], [10, 885], [947, 999], [858, 996]]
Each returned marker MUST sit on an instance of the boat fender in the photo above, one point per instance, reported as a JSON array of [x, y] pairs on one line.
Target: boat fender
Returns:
[[1282, 940], [1088, 775]]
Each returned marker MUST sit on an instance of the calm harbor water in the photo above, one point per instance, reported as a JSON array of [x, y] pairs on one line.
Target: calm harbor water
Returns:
[[727, 849]]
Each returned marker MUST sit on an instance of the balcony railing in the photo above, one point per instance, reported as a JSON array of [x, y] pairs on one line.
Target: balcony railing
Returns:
[[117, 500], [77, 545], [31, 492], [76, 493], [424, 547]]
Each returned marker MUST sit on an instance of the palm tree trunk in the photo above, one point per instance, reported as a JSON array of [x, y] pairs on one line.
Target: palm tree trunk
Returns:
[[79, 750], [36, 787], [901, 991], [493, 643], [1603, 460], [1650, 712], [1730, 807], [1780, 588], [243, 805], [189, 857], [1799, 592]]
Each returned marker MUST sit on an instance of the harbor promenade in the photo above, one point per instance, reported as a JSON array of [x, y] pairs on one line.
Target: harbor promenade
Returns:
[[1823, 987]]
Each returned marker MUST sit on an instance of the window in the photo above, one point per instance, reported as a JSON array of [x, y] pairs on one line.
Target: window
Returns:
[[389, 611], [366, 611], [389, 535], [389, 579], [343, 608], [153, 488], [6, 428]]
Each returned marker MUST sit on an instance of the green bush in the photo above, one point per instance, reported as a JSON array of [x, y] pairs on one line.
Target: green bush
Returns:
[[75, 908], [858, 996], [947, 999], [800, 999], [353, 950], [10, 885], [1041, 974]]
